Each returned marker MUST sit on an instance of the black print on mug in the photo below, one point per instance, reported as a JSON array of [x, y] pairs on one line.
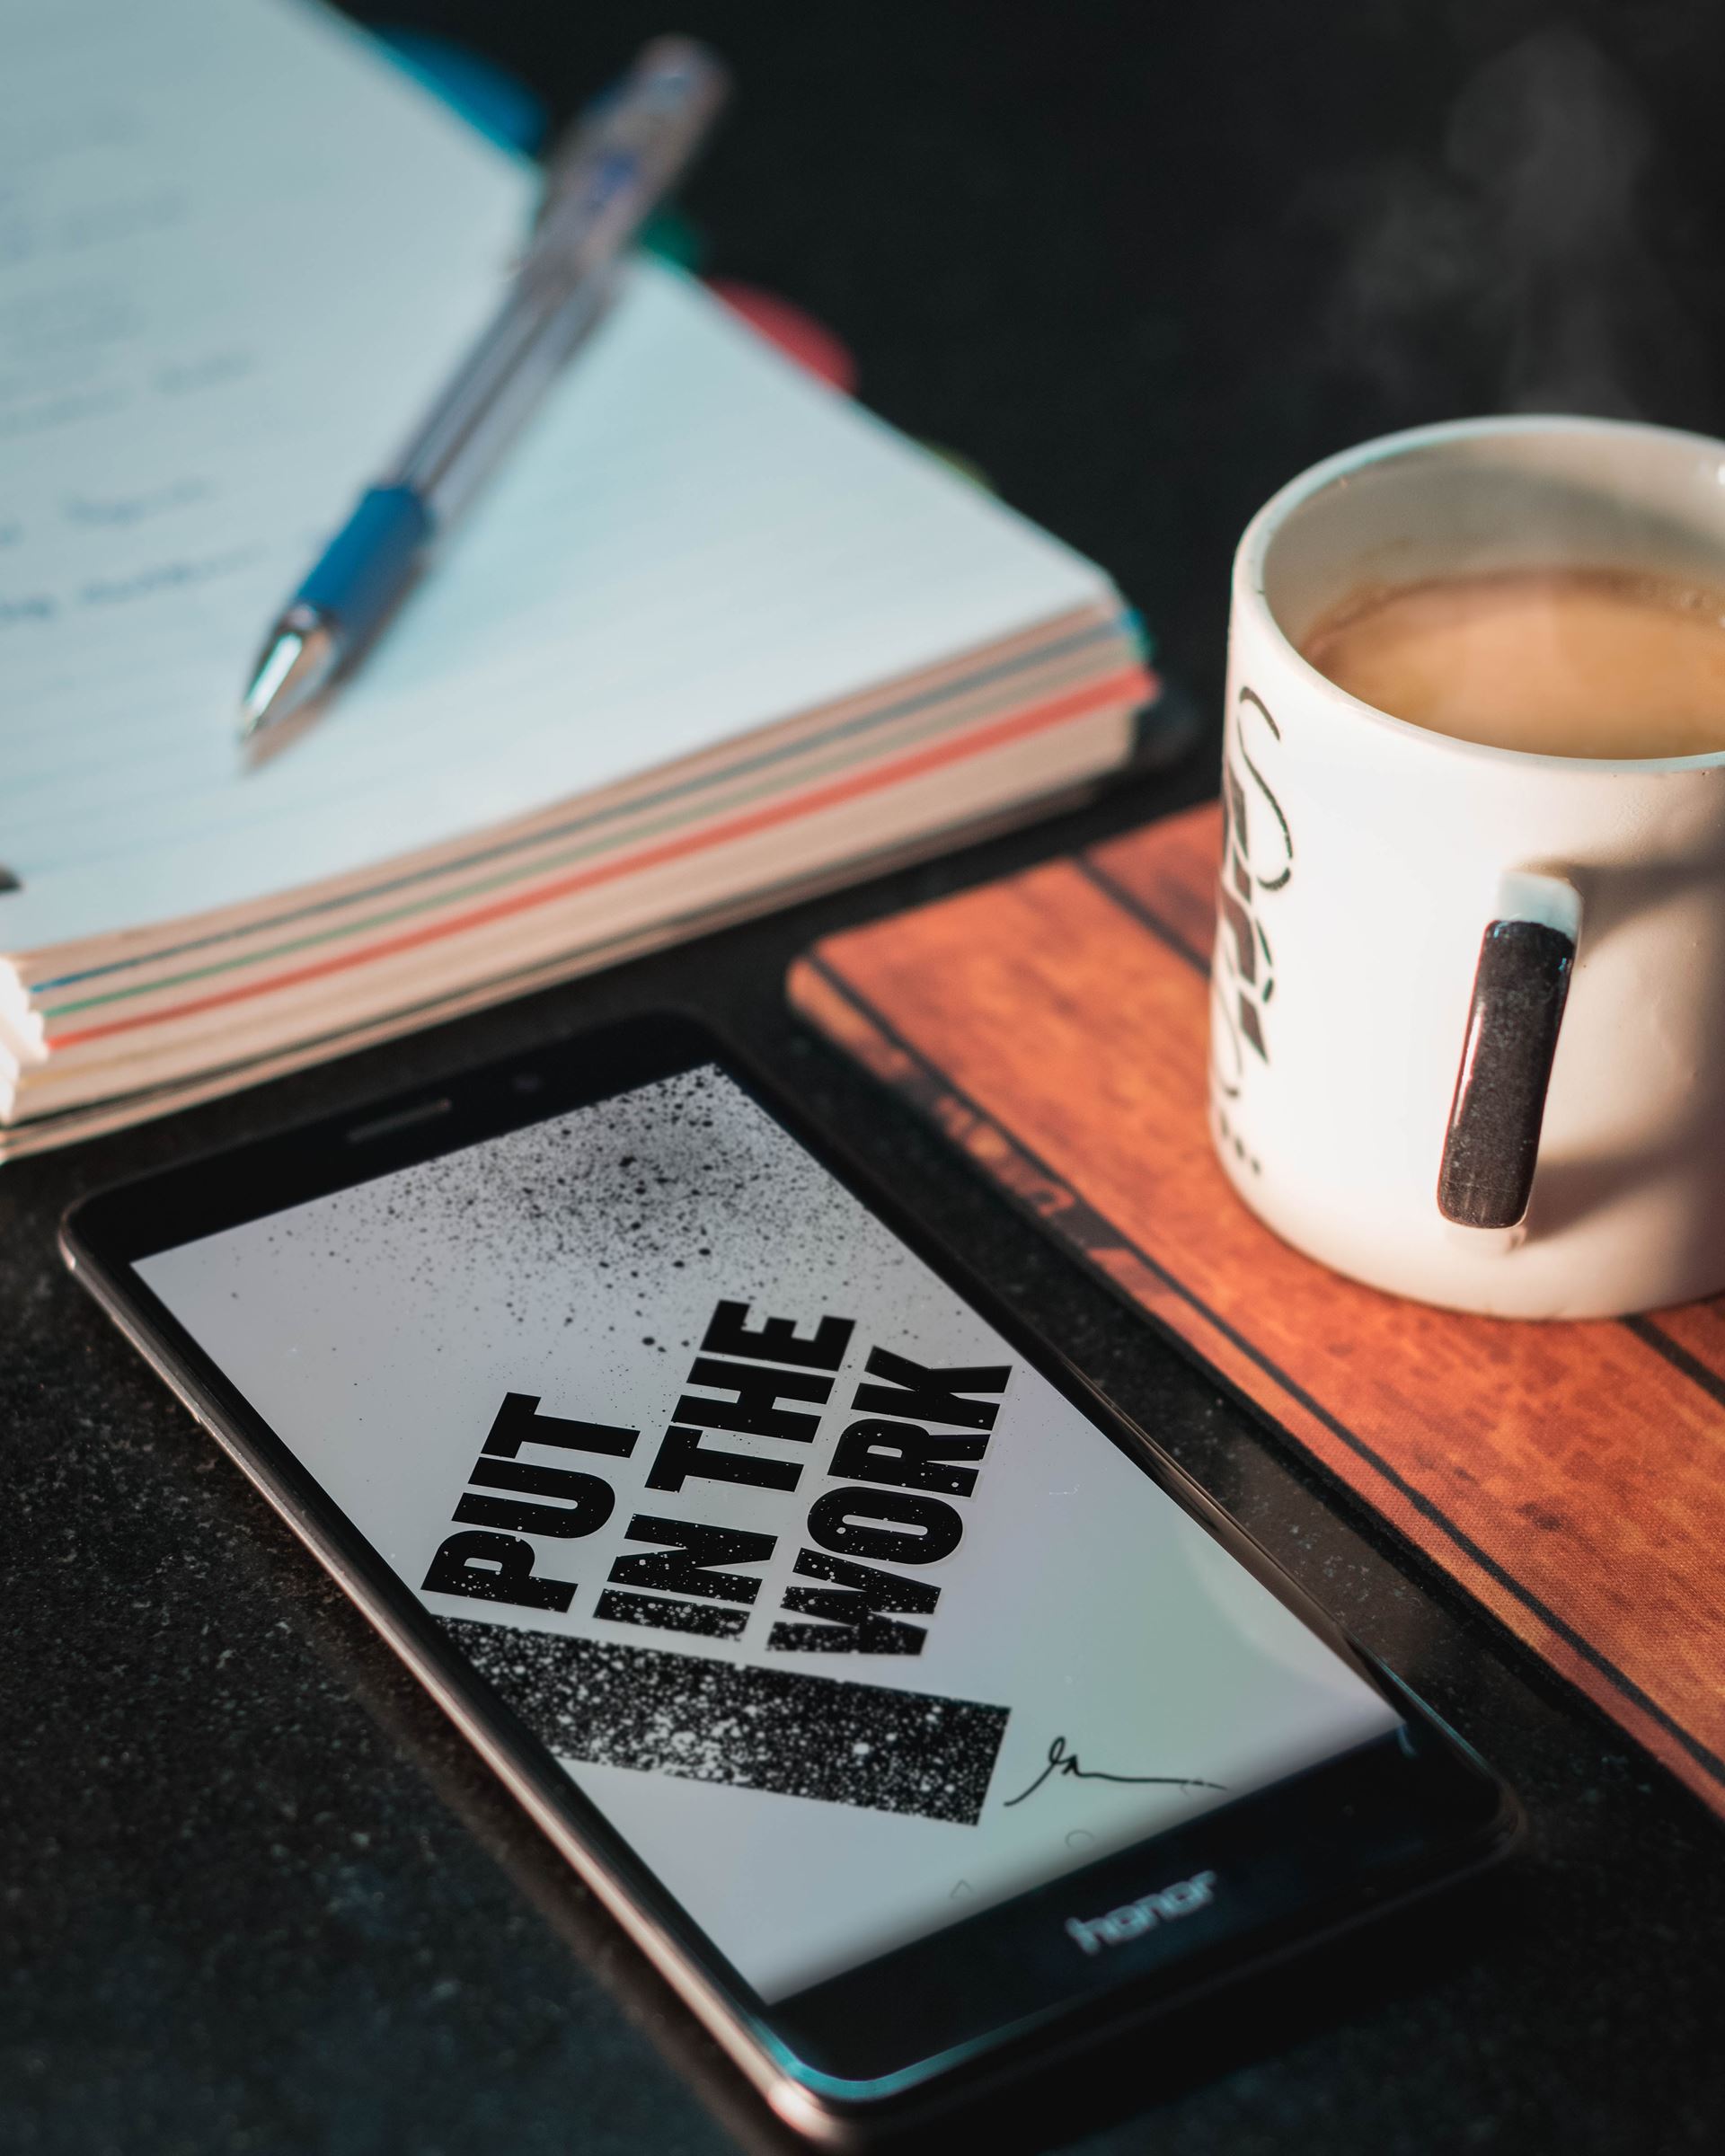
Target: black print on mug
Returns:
[[1257, 858]]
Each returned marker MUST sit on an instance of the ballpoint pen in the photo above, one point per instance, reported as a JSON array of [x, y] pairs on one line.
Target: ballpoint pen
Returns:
[[601, 181]]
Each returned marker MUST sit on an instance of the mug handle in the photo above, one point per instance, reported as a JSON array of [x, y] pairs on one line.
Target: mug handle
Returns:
[[1520, 985]]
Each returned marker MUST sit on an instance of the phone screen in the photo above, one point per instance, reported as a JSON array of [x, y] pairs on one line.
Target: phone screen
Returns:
[[849, 1621]]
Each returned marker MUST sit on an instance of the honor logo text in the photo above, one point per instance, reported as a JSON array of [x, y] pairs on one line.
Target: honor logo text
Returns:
[[1132, 1920]]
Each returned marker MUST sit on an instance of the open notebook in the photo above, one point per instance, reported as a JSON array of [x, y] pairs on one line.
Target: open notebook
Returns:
[[710, 635]]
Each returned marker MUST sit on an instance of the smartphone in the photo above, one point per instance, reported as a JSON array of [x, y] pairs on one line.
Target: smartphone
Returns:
[[910, 1708]]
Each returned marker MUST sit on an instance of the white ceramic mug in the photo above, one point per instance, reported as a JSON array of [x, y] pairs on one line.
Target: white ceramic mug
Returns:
[[1468, 1007]]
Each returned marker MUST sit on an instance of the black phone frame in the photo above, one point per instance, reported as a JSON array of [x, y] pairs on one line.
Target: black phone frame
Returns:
[[921, 2026]]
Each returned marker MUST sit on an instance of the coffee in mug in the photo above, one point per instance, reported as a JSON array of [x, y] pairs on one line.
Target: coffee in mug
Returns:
[[1468, 992], [1561, 662]]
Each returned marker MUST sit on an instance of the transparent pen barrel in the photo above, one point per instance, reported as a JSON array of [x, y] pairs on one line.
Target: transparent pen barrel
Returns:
[[503, 377]]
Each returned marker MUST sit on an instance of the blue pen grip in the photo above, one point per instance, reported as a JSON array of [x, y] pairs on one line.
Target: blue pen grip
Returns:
[[363, 570]]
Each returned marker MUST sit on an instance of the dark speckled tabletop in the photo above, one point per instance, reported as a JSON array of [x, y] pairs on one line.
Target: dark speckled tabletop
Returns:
[[1140, 263]]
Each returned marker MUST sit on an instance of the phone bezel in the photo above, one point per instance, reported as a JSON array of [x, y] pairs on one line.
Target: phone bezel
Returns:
[[940, 2039]]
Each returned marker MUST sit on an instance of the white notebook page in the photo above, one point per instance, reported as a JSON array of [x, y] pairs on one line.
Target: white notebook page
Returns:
[[243, 252]]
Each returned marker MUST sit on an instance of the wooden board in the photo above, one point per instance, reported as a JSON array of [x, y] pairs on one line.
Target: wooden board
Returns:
[[1570, 1475]]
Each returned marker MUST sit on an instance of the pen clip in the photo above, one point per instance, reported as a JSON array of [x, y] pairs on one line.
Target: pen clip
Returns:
[[630, 145]]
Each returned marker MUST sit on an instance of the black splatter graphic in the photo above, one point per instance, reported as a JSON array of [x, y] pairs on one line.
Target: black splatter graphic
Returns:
[[708, 1720], [627, 1202]]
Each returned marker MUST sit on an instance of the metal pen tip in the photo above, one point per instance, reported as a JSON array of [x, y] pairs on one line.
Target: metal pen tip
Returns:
[[297, 660]]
